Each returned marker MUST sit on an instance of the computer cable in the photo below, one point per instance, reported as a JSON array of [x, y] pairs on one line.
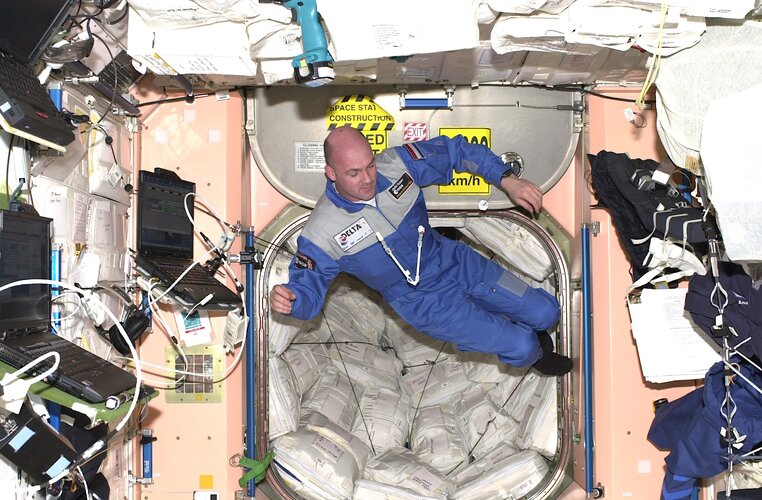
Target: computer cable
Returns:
[[14, 388], [225, 243], [222, 375], [72, 314]]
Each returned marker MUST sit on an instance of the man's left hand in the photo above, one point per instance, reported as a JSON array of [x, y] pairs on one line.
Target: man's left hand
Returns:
[[523, 192]]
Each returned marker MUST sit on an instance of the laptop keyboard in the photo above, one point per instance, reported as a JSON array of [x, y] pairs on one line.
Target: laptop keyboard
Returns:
[[74, 359], [19, 82], [196, 275]]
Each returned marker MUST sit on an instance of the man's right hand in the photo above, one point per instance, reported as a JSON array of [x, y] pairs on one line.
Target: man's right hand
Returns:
[[281, 299]]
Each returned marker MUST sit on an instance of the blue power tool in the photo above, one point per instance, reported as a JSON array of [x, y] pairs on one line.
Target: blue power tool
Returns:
[[314, 67]]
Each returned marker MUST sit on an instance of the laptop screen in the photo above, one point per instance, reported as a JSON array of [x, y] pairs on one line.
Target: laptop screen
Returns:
[[24, 254], [27, 26], [163, 226]]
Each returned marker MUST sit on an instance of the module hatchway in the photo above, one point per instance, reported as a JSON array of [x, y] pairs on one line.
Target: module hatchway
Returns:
[[360, 405]]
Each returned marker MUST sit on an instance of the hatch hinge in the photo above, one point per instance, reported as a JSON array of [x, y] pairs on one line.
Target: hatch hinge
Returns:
[[579, 110]]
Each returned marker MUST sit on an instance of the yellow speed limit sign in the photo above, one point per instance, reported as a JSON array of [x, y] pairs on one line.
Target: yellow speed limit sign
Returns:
[[466, 183], [361, 112]]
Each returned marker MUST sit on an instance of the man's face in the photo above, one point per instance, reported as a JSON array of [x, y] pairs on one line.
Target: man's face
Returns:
[[354, 174]]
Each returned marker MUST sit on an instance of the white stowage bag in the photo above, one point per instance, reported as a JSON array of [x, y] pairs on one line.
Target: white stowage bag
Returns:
[[401, 468], [385, 416], [334, 396], [681, 105], [519, 404], [484, 368], [507, 388], [284, 400], [436, 438], [432, 385], [367, 365], [486, 463], [322, 425], [317, 463], [538, 429], [513, 243], [372, 490], [349, 310], [483, 424], [282, 329], [513, 477], [306, 360], [412, 347], [173, 14]]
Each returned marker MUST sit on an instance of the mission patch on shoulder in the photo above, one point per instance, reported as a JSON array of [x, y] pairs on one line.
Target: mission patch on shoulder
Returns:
[[401, 185], [303, 262]]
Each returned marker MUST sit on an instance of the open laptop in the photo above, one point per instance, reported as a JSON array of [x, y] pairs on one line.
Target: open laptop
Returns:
[[26, 109], [165, 243], [25, 315]]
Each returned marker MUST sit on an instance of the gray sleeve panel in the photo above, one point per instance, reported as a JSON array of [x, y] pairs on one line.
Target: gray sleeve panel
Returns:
[[511, 283]]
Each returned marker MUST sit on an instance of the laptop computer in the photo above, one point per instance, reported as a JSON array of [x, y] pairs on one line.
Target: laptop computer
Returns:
[[25, 315], [165, 243], [26, 109]]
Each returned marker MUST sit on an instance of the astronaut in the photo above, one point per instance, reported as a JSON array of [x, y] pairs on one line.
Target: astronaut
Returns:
[[372, 222]]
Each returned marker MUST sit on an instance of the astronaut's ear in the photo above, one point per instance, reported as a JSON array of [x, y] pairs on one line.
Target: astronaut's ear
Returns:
[[330, 173]]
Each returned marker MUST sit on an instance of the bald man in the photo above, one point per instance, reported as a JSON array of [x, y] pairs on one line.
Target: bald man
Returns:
[[372, 222]]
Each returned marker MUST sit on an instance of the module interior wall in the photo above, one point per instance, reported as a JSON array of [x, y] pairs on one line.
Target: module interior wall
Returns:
[[626, 464], [201, 142]]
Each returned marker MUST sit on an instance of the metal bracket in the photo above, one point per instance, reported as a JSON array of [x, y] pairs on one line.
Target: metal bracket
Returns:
[[598, 492], [426, 103], [594, 227], [578, 112]]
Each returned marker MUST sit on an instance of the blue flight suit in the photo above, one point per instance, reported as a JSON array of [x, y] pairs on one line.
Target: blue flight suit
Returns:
[[461, 297]]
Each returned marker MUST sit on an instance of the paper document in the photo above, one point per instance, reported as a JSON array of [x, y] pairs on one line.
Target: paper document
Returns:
[[670, 346]]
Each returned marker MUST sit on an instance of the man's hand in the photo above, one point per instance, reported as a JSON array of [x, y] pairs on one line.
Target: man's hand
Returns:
[[281, 299], [523, 192]]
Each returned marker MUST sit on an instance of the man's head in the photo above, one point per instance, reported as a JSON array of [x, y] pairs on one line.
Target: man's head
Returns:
[[350, 164]]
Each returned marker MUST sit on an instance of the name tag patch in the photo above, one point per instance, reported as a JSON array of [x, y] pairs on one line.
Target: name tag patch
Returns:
[[401, 185], [301, 261], [354, 234]]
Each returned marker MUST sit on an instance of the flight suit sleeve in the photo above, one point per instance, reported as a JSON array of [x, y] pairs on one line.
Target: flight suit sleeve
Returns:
[[432, 162], [310, 273]]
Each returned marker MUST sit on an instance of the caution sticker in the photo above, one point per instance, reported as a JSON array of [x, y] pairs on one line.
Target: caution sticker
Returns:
[[466, 183], [361, 112]]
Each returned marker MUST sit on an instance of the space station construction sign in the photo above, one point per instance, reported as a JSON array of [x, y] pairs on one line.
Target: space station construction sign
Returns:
[[361, 112]]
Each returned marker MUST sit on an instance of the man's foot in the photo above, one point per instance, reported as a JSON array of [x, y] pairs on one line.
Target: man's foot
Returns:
[[551, 363]]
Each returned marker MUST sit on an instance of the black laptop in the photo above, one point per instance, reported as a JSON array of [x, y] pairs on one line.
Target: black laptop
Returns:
[[165, 243], [25, 315], [26, 109]]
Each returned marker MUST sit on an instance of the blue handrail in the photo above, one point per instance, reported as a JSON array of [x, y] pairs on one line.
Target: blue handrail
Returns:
[[251, 368], [587, 334]]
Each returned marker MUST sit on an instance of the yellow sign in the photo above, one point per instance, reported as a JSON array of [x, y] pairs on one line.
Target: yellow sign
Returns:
[[466, 183], [362, 113]]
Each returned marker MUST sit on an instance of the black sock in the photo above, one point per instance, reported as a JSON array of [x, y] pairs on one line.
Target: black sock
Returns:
[[551, 363]]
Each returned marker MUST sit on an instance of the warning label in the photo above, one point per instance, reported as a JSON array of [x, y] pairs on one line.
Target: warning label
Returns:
[[362, 113], [465, 183], [309, 156]]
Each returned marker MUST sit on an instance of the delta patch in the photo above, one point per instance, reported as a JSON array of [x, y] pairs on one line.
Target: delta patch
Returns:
[[401, 185], [301, 261], [353, 234]]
